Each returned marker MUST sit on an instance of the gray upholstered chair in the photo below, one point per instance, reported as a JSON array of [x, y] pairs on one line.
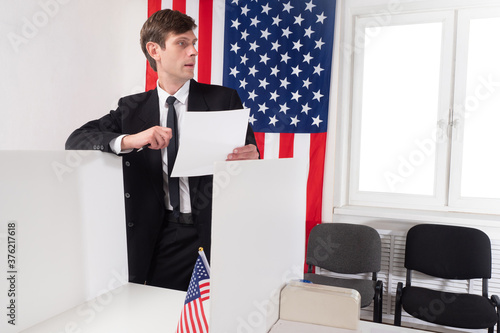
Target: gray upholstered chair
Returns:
[[347, 249]]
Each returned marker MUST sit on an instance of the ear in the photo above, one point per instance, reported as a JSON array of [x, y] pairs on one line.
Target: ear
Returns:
[[153, 49]]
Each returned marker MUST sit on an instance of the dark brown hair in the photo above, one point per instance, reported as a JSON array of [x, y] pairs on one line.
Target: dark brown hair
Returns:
[[159, 25]]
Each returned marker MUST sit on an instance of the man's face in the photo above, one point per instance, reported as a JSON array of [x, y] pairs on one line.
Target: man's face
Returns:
[[178, 58]]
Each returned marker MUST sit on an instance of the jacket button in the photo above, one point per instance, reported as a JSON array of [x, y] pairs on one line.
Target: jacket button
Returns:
[[127, 195], [130, 224], [127, 163]]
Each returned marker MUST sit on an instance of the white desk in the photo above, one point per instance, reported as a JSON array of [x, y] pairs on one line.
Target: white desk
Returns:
[[136, 308], [131, 308], [283, 326]]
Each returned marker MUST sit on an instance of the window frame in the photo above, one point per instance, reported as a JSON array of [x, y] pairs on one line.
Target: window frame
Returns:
[[456, 201], [397, 200], [337, 201]]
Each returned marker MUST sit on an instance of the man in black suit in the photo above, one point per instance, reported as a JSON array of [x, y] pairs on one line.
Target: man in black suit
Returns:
[[167, 218]]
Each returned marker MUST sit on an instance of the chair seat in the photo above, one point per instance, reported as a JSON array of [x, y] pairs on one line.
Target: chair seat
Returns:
[[449, 309], [366, 288]]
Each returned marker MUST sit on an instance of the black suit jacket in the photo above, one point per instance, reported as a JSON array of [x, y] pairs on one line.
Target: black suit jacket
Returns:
[[143, 173]]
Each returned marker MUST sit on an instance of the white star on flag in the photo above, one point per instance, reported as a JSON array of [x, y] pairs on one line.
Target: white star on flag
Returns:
[[284, 47]]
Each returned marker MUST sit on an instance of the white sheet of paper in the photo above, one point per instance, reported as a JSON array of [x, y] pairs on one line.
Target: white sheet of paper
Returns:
[[208, 137]]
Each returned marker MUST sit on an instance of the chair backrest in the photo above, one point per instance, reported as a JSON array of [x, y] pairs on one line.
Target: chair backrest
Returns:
[[344, 248], [448, 252]]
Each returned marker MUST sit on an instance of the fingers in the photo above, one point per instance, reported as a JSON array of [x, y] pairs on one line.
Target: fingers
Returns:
[[160, 137], [248, 152], [156, 137]]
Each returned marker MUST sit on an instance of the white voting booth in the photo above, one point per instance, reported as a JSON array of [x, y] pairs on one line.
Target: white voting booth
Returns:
[[62, 233], [67, 216], [258, 241]]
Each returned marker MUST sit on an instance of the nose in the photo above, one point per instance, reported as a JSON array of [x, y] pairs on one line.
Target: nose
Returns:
[[193, 52]]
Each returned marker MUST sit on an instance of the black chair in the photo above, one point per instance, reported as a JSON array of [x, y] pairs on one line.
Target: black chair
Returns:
[[347, 249], [450, 253]]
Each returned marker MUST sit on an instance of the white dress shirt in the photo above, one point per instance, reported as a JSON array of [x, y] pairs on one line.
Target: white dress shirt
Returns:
[[180, 109]]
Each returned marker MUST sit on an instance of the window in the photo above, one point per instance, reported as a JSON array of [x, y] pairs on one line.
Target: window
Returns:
[[475, 161], [425, 111]]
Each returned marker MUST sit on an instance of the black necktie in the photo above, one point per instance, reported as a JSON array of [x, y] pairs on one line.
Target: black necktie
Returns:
[[173, 182]]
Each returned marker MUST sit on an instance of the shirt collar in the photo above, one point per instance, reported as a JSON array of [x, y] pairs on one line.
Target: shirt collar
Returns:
[[181, 95]]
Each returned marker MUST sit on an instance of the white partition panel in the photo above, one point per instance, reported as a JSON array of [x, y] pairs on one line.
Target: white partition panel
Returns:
[[62, 233], [258, 241]]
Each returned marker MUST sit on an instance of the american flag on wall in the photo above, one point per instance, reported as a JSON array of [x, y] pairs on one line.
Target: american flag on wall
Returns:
[[278, 55], [194, 317]]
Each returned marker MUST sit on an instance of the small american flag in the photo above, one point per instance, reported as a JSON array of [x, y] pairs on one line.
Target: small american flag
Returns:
[[194, 315]]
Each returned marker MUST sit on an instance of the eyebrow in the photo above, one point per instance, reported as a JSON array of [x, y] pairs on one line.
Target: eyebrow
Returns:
[[185, 39]]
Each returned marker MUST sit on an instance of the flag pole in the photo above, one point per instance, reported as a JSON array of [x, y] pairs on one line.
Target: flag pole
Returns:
[[204, 258]]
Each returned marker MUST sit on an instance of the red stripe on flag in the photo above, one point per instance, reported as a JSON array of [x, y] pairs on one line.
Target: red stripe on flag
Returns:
[[260, 138], [190, 314], [286, 145], [151, 76], [179, 5], [185, 326], [315, 182], [205, 321], [180, 324], [205, 41], [197, 315], [153, 6]]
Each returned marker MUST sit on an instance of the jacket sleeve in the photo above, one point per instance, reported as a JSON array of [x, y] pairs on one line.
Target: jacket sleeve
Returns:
[[97, 134]]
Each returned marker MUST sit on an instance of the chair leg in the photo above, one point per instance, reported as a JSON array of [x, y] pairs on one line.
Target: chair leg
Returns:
[[381, 302], [397, 309], [496, 301], [377, 310], [491, 329]]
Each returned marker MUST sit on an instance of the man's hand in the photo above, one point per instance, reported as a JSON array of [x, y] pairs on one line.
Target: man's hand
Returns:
[[248, 152], [156, 137]]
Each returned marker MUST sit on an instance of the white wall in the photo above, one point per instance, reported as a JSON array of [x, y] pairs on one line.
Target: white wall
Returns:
[[64, 62]]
